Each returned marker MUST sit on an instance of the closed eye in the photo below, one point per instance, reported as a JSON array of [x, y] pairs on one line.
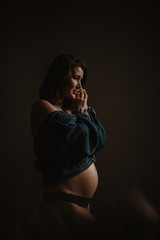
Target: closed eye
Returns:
[[76, 77]]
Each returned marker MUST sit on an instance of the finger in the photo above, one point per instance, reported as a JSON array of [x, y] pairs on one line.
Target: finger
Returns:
[[85, 94], [80, 94]]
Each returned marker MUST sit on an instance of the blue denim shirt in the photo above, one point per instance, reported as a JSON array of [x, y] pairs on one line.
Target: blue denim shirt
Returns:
[[66, 145]]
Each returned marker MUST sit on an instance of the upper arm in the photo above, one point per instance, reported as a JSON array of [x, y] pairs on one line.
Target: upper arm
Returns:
[[39, 112]]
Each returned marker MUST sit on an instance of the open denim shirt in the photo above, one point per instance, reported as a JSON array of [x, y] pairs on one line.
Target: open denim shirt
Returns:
[[66, 145]]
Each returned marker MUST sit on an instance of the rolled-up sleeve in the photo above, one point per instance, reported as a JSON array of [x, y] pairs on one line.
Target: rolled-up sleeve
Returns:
[[69, 135]]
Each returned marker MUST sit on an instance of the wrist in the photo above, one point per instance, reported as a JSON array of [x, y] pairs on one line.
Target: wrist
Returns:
[[89, 112], [81, 111], [86, 107]]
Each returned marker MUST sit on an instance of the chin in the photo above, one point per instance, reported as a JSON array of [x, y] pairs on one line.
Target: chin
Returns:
[[71, 96]]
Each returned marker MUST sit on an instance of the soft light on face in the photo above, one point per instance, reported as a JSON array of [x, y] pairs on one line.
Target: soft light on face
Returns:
[[74, 76]]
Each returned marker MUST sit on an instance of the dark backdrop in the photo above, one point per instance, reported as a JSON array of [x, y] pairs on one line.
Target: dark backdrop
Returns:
[[119, 43]]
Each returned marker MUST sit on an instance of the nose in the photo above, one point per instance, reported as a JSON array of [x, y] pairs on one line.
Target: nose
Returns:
[[78, 86]]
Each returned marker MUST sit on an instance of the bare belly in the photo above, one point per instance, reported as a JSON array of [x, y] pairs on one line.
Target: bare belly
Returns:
[[83, 184]]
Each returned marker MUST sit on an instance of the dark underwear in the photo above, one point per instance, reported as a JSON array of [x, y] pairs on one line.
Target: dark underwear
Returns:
[[61, 196]]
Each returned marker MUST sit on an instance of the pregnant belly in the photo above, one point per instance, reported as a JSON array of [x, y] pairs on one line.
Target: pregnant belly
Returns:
[[83, 184]]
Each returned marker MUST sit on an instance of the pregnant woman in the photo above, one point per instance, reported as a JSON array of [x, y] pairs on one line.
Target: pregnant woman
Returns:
[[67, 136]]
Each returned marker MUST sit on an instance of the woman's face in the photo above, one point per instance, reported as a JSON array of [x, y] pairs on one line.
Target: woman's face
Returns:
[[74, 78]]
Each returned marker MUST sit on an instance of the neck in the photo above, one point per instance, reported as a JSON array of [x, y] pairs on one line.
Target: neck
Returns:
[[61, 104], [58, 103]]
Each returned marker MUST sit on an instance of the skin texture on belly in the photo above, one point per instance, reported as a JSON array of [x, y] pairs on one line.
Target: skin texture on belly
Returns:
[[83, 184]]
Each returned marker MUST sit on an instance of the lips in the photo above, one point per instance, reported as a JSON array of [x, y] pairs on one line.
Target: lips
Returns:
[[74, 91]]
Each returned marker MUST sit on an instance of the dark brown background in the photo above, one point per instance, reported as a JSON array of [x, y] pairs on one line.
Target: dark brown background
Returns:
[[119, 43]]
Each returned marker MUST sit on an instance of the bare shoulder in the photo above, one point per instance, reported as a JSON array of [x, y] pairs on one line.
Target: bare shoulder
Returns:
[[43, 106], [39, 112]]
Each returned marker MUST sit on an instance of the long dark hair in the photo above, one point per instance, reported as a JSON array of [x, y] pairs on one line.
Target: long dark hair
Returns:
[[55, 78]]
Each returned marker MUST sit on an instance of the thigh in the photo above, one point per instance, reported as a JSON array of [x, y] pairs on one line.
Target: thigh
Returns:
[[61, 220]]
